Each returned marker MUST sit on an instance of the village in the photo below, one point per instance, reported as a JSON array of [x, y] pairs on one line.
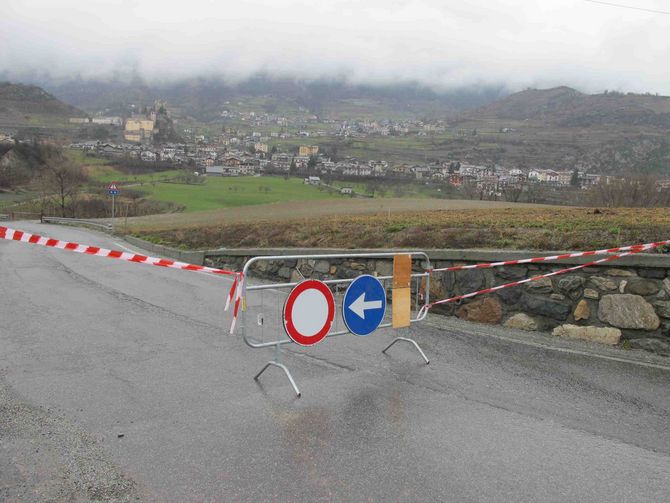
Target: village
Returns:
[[258, 159], [300, 144], [238, 153]]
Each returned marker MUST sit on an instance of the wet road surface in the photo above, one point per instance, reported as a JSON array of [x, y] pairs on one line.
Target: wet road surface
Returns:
[[118, 381]]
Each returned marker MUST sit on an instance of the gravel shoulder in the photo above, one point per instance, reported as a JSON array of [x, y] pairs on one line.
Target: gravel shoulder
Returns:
[[43, 457]]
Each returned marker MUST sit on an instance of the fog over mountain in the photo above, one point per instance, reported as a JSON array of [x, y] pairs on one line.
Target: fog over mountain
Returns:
[[443, 44]]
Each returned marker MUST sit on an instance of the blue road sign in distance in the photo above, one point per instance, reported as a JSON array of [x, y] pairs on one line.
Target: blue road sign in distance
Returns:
[[113, 192], [364, 305]]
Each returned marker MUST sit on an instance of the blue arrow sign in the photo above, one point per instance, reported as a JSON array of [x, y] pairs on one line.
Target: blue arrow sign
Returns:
[[113, 192], [364, 305]]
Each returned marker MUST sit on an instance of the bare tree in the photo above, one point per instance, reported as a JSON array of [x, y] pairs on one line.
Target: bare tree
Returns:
[[62, 177], [640, 192], [470, 190], [512, 193], [371, 187], [536, 193]]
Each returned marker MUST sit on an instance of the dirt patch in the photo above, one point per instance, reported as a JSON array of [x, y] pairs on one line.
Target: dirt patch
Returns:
[[515, 228], [311, 209]]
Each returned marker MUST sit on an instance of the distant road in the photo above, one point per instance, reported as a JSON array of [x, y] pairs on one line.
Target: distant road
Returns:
[[320, 208], [118, 382]]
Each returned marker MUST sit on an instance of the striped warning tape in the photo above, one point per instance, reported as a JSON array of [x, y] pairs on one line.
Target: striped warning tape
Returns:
[[25, 237], [238, 288], [486, 265], [630, 251]]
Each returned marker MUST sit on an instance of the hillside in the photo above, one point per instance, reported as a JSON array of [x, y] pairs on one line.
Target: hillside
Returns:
[[21, 163], [564, 106], [559, 128], [18, 102], [204, 98], [562, 128]]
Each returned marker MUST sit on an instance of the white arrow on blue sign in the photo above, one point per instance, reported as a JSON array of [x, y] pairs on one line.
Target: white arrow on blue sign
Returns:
[[364, 305]]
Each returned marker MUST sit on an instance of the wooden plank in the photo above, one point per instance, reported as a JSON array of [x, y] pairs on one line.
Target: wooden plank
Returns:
[[402, 271], [402, 304]]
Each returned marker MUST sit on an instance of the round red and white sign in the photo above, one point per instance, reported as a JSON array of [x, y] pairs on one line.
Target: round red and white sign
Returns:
[[309, 312]]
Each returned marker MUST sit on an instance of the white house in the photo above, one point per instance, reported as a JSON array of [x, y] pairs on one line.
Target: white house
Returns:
[[223, 170]]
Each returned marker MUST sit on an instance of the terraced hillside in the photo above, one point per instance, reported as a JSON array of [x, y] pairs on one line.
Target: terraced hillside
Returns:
[[561, 128], [26, 105]]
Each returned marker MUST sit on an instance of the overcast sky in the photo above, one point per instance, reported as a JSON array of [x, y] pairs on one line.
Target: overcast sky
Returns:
[[442, 43]]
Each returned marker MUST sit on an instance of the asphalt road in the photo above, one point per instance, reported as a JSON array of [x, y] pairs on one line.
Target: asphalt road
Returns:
[[118, 382]]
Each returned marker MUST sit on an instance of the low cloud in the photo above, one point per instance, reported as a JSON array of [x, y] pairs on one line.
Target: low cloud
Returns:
[[440, 43]]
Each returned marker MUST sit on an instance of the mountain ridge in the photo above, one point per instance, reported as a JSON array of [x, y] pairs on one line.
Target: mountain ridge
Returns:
[[565, 106], [203, 97], [18, 99]]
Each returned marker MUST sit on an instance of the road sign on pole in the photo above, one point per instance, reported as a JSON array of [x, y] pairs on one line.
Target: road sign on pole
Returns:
[[309, 312], [364, 305], [113, 191]]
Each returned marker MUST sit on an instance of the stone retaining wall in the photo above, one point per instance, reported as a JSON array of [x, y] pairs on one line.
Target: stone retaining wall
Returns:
[[626, 302]]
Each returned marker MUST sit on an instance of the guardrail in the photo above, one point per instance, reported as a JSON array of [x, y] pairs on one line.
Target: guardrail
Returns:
[[4, 216], [78, 221]]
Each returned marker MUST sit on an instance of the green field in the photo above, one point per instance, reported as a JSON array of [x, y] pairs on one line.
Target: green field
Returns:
[[377, 189], [107, 174], [216, 191], [80, 157], [8, 199], [227, 192]]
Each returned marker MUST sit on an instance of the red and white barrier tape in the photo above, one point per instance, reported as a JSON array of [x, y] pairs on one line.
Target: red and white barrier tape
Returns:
[[25, 237], [486, 265], [238, 287], [631, 250]]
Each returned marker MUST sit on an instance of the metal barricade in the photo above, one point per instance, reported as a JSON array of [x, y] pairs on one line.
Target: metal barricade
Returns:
[[262, 322]]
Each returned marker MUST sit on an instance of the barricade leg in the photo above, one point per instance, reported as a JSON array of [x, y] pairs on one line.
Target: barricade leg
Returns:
[[411, 341], [277, 363]]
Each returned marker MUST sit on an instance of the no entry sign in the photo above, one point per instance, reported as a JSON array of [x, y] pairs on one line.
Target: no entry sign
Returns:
[[309, 312]]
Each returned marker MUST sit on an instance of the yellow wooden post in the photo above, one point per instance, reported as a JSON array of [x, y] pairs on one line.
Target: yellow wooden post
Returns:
[[401, 293]]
